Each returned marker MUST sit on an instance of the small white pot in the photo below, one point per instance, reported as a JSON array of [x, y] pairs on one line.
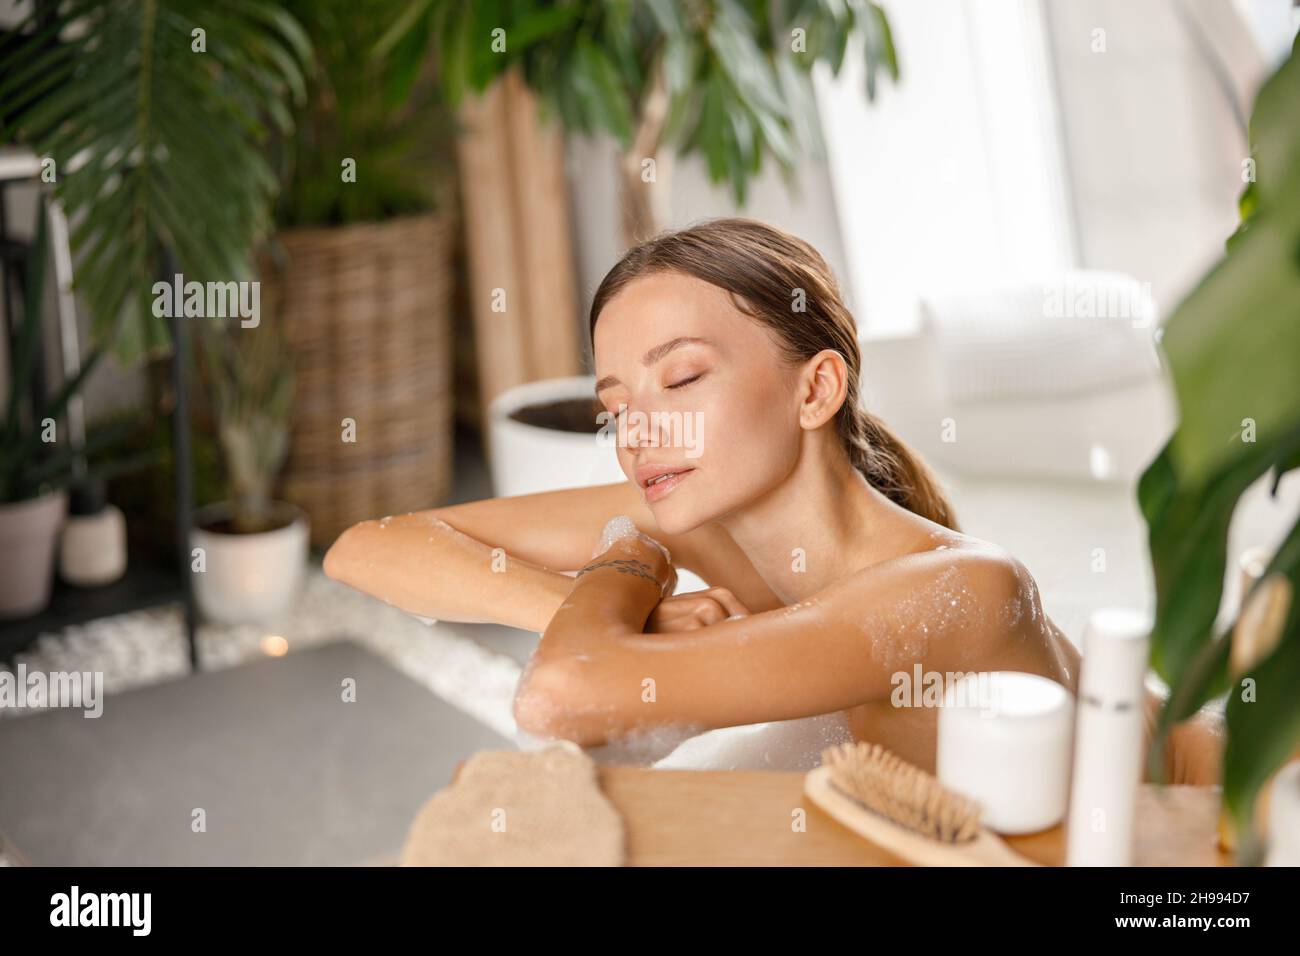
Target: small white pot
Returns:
[[526, 459], [248, 577]]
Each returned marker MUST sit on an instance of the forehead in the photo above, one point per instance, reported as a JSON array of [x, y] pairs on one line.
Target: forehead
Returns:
[[654, 308]]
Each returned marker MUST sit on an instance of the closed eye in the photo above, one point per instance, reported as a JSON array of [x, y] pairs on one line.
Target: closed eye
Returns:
[[687, 381]]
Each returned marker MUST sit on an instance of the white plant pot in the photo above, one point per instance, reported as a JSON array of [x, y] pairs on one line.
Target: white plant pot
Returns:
[[526, 459], [29, 531], [248, 577]]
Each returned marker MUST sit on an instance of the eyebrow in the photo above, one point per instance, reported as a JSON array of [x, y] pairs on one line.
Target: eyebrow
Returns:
[[654, 355]]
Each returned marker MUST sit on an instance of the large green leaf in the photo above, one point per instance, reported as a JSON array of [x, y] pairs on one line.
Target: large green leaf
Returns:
[[1265, 726], [156, 144], [737, 92], [601, 92], [378, 112], [1257, 395], [732, 41], [1189, 550], [1233, 347], [1259, 279]]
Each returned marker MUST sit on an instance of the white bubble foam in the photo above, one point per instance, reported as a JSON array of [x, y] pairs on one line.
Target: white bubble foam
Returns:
[[619, 527], [791, 745]]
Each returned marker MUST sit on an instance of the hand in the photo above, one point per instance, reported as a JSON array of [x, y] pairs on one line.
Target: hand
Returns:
[[694, 609]]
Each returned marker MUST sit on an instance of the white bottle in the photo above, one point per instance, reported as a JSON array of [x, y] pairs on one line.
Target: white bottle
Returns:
[[1109, 739]]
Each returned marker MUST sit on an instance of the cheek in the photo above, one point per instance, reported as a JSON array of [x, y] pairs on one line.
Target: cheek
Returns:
[[753, 438]]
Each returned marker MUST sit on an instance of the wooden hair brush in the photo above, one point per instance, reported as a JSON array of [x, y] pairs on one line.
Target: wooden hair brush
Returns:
[[904, 810]]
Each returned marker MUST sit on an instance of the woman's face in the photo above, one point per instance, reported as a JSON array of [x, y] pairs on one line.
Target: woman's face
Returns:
[[707, 400]]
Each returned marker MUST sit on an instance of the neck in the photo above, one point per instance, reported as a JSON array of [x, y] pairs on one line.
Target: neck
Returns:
[[817, 526]]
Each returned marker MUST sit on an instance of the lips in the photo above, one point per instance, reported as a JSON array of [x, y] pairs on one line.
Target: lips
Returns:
[[650, 471], [657, 479]]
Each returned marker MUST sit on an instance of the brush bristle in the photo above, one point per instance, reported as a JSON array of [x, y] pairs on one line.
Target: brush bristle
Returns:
[[888, 785]]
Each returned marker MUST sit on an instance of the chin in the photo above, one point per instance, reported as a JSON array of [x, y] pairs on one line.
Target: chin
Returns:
[[693, 505], [674, 520], [681, 511]]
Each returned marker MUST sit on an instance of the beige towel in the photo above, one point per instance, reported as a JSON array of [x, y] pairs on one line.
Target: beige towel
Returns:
[[519, 808]]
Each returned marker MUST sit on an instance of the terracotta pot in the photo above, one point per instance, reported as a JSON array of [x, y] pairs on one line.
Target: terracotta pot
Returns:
[[29, 531]]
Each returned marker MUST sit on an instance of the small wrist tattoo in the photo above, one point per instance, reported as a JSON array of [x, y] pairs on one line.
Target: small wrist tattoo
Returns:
[[624, 566]]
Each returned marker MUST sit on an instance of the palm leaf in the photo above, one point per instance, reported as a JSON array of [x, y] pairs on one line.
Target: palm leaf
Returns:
[[155, 144]]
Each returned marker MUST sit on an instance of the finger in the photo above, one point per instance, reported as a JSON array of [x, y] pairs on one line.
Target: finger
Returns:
[[728, 601], [709, 612], [673, 617]]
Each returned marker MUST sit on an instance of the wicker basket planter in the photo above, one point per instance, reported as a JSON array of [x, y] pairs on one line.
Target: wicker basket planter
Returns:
[[366, 310]]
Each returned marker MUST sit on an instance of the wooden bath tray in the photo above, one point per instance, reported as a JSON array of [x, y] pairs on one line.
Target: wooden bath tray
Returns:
[[743, 818]]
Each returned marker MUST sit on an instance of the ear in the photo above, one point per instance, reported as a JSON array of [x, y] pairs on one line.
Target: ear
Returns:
[[823, 385]]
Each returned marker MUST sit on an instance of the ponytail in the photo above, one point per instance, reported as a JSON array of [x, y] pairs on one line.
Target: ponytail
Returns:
[[893, 468]]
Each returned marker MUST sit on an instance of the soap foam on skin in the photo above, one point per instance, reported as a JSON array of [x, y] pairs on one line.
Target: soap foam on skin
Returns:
[[620, 527], [639, 746], [643, 745], [905, 636]]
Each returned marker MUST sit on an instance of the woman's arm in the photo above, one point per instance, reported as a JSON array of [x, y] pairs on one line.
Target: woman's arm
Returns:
[[499, 560], [503, 560], [596, 676], [422, 564]]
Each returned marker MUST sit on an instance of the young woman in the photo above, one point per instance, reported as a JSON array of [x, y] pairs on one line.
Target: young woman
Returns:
[[834, 559]]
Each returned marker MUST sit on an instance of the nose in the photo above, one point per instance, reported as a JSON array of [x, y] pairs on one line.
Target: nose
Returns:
[[640, 429]]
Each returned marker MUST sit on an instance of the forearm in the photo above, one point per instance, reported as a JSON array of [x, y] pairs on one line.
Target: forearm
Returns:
[[425, 566], [577, 663], [611, 598]]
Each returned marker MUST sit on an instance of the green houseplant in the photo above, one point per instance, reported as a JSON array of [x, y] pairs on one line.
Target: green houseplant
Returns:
[[152, 115], [396, 149], [361, 270], [254, 548], [37, 462], [250, 376], [729, 79], [1233, 347]]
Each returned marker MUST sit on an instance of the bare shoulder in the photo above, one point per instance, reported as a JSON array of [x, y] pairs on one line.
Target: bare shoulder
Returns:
[[984, 598], [959, 584], [987, 570]]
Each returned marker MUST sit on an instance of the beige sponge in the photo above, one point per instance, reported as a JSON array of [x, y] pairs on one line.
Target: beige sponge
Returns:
[[519, 808]]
